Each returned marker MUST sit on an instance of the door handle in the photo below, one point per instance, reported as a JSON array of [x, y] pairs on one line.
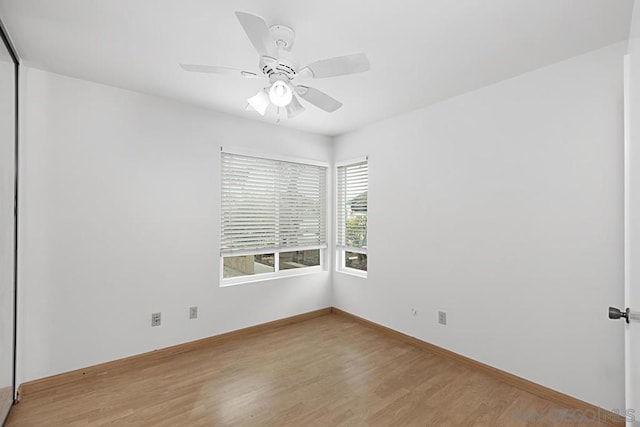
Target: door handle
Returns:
[[627, 314]]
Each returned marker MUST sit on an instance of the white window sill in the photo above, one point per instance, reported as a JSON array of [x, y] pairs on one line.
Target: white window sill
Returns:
[[353, 272]]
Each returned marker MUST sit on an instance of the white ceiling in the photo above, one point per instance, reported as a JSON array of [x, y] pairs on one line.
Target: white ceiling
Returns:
[[421, 51]]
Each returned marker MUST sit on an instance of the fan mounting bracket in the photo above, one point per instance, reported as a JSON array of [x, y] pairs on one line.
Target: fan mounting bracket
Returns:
[[283, 36]]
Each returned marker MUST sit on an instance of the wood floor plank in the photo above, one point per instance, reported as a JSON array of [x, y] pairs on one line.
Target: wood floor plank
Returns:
[[6, 400], [324, 371]]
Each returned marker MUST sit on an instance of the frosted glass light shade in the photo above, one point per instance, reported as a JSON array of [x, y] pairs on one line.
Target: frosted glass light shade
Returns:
[[280, 94], [259, 102]]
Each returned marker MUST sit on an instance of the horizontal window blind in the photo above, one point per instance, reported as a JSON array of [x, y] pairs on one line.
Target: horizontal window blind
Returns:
[[271, 205], [351, 205]]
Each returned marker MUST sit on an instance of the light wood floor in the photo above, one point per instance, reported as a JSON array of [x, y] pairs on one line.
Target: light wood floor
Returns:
[[326, 371], [6, 397]]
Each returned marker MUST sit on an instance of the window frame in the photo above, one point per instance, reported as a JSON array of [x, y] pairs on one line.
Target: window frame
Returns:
[[277, 273], [340, 251]]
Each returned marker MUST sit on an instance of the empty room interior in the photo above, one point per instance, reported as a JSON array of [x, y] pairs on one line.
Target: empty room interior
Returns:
[[185, 227]]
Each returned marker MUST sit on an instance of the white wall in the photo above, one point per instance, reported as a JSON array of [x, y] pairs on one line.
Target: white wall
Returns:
[[504, 208], [120, 218]]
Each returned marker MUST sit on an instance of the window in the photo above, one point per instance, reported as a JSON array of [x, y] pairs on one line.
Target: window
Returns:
[[273, 215], [352, 182]]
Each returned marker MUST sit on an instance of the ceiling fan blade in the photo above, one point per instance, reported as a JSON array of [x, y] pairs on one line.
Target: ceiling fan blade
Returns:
[[214, 69], [338, 66], [258, 33], [294, 108], [318, 98]]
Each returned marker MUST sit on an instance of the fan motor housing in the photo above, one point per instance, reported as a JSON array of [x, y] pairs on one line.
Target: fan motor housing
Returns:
[[285, 64]]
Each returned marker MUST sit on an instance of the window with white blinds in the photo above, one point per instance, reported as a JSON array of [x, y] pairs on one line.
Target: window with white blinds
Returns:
[[352, 185], [271, 206]]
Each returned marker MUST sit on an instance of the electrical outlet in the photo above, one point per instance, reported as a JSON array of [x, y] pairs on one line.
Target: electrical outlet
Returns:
[[193, 312], [442, 317], [156, 318]]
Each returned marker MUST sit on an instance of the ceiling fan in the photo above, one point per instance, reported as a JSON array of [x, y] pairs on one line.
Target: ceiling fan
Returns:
[[280, 67]]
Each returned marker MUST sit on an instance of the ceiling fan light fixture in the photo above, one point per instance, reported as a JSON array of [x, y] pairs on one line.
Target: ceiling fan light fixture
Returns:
[[294, 108], [279, 66], [259, 102], [280, 94]]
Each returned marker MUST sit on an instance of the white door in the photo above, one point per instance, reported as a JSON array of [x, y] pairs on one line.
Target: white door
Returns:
[[632, 232]]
